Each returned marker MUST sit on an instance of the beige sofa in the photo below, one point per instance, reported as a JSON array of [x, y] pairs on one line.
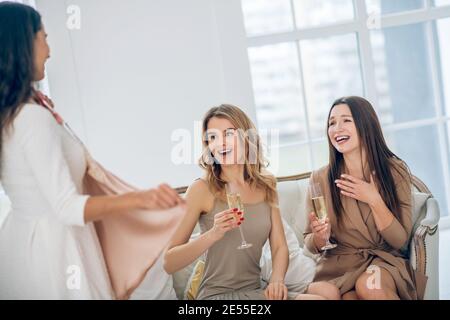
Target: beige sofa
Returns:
[[423, 247]]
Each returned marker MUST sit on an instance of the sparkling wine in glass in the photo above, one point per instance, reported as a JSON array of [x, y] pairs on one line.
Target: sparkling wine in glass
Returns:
[[320, 209], [234, 201]]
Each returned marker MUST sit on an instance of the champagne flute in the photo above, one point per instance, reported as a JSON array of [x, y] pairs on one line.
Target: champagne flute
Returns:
[[320, 209], [234, 201]]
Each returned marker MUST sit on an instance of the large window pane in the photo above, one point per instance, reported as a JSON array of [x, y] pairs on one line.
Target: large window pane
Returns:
[[447, 130], [289, 160], [448, 138], [5, 206], [441, 2], [277, 88], [267, 16], [331, 69], [393, 6], [443, 61], [403, 73], [419, 147], [311, 13], [447, 210]]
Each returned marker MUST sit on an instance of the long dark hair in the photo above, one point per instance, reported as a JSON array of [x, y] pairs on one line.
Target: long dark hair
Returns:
[[19, 25], [380, 159]]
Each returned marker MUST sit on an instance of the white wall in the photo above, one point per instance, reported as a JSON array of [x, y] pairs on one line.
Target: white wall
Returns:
[[138, 69]]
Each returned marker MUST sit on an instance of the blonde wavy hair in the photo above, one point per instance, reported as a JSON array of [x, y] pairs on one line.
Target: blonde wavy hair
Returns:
[[255, 164]]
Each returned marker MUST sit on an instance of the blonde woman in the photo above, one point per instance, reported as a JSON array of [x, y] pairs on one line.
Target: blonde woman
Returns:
[[232, 155]]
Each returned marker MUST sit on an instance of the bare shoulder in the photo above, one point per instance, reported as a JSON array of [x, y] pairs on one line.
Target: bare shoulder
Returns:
[[199, 195]]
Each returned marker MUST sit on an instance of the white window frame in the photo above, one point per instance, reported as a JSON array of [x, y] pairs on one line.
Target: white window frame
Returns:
[[359, 27]]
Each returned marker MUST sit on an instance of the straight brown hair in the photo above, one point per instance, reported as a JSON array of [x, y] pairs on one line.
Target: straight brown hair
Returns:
[[380, 159]]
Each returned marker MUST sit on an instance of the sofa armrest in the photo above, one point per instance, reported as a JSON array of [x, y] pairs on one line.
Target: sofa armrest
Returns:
[[431, 219], [424, 254], [420, 249], [428, 226]]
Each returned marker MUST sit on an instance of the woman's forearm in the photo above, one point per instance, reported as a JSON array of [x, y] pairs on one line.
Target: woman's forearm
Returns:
[[99, 206], [183, 255], [388, 225], [280, 263], [382, 215]]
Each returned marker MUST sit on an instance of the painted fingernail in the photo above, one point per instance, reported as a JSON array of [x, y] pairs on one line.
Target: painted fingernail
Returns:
[[239, 223], [242, 219], [240, 212], [235, 209]]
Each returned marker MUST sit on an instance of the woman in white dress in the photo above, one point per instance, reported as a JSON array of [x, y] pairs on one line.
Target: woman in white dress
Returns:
[[48, 245]]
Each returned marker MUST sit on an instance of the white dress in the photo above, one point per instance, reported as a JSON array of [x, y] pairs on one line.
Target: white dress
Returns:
[[46, 249]]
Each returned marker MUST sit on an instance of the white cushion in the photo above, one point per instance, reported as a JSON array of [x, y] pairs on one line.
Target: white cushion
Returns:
[[292, 200], [157, 284], [301, 268]]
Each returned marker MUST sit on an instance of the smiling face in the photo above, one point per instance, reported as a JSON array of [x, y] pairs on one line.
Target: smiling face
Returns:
[[224, 142], [342, 130], [41, 54]]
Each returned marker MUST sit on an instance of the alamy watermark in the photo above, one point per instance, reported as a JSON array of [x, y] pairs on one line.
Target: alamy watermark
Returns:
[[249, 146], [73, 17], [73, 281], [374, 280]]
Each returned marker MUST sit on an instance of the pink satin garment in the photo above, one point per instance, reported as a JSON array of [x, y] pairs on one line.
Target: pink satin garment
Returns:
[[131, 242]]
